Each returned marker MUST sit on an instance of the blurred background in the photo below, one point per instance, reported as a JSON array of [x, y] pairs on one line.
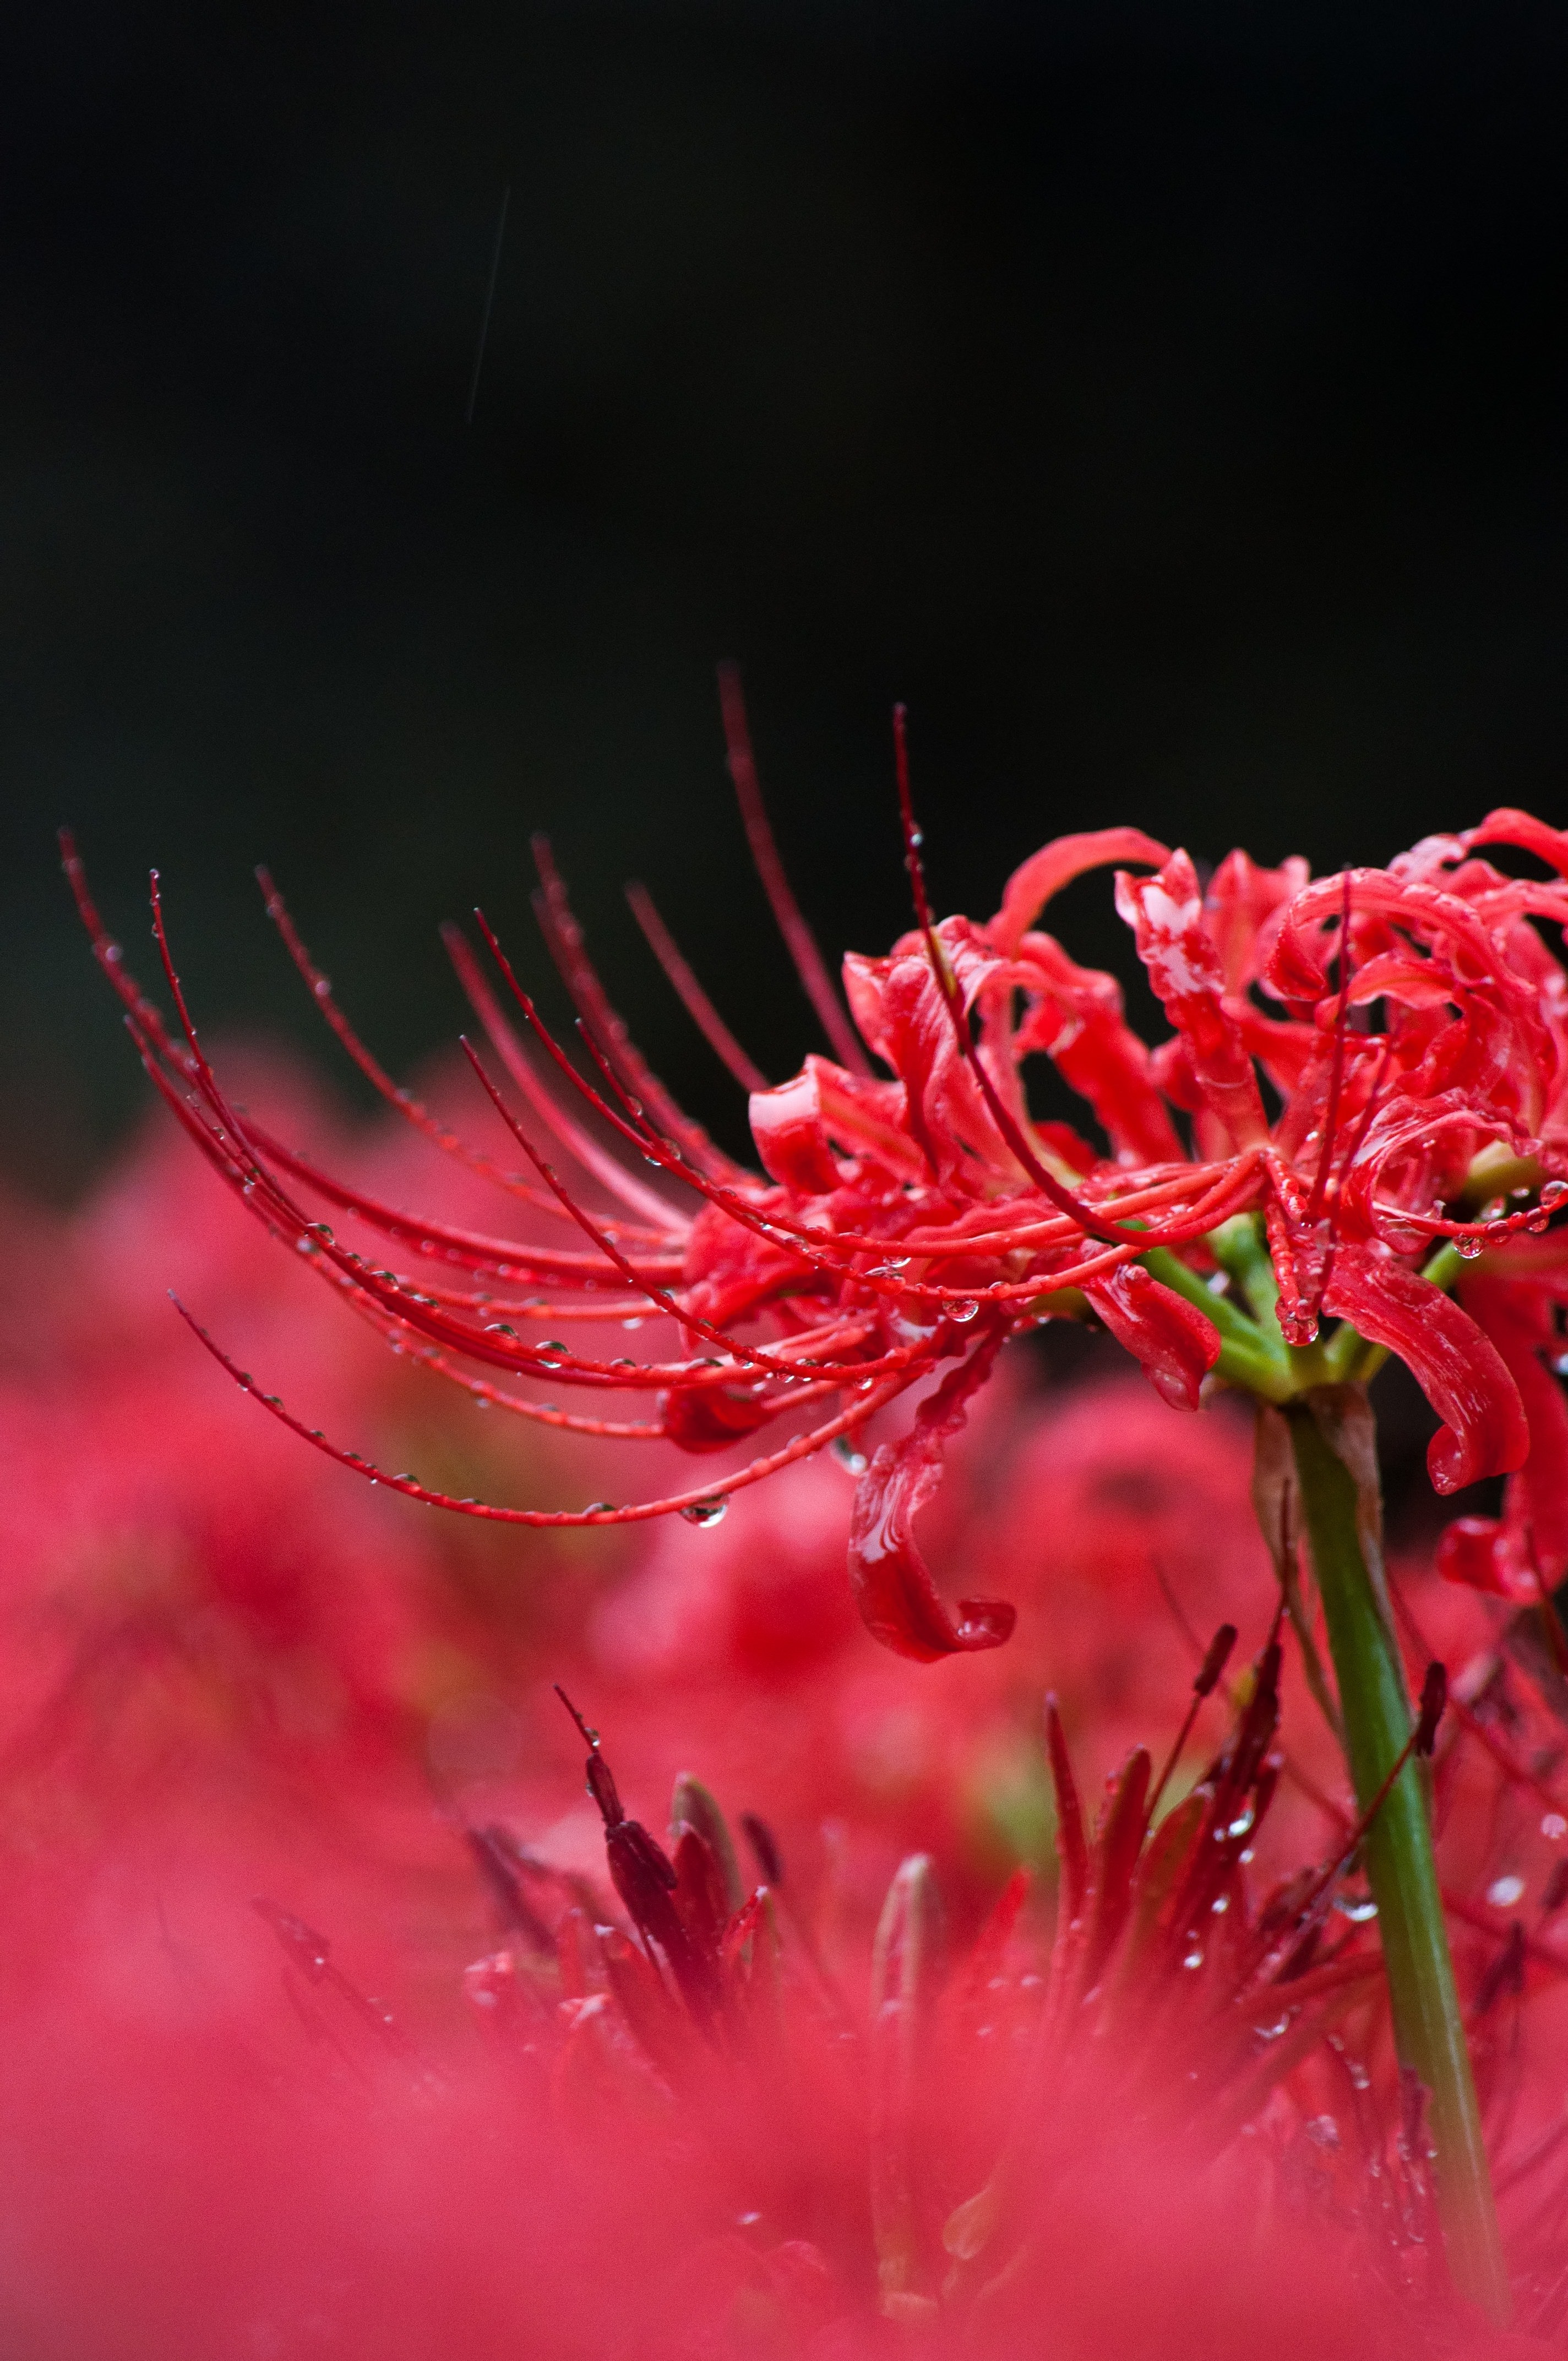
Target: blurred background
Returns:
[[1161, 400]]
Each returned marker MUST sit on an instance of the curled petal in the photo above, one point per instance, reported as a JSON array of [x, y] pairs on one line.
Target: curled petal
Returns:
[[1458, 1367], [1175, 1345], [1165, 914], [1530, 1546], [1475, 1551], [1241, 900], [1076, 1017], [711, 1417], [1507, 826], [1035, 880], [792, 1141], [892, 1584]]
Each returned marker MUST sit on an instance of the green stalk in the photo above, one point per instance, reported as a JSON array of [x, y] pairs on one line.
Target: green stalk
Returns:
[[1429, 2030]]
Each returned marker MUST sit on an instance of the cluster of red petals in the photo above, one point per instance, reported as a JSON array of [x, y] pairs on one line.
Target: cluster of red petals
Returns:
[[1343, 1052]]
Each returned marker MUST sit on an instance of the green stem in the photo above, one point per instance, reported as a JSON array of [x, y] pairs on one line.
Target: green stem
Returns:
[[1429, 2030]]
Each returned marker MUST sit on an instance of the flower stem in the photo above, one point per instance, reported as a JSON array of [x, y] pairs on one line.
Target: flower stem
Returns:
[[1429, 2030]]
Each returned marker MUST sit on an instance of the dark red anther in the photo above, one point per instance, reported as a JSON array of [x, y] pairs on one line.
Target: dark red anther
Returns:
[[1214, 1663], [1259, 1723], [1071, 1849], [1434, 1696], [764, 1845], [701, 1898], [1209, 1670], [600, 1779]]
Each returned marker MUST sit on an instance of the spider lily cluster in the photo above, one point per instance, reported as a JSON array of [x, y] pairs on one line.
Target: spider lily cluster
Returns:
[[1358, 1115], [900, 2134]]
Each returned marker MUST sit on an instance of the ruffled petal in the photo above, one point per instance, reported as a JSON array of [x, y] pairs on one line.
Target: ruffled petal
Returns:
[[1529, 1546], [1056, 864], [1241, 900], [1077, 1020], [1508, 825], [1170, 1337], [792, 1140], [1165, 914], [1459, 1369], [892, 1584], [711, 1417]]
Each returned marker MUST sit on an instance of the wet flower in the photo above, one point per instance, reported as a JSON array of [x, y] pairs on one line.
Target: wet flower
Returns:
[[1362, 1092]]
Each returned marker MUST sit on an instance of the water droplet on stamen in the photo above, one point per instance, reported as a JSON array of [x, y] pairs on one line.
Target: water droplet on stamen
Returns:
[[1504, 1891], [962, 1308], [848, 1454], [706, 1512]]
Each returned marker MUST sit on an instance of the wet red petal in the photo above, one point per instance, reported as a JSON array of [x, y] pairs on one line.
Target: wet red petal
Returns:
[[1459, 1369], [892, 1584], [1175, 1345], [1056, 864]]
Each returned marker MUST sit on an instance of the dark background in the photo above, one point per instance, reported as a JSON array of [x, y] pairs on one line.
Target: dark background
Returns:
[[1166, 401]]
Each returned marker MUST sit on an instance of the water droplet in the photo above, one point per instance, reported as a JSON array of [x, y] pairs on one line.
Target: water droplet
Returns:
[[1358, 1910], [1504, 1891], [631, 1324], [706, 1512], [1193, 1959], [1468, 1247], [482, 1401], [322, 1231], [1323, 2131], [1538, 1224], [1220, 1904], [321, 986], [498, 1328], [600, 1509], [1552, 1194], [964, 1308], [1554, 1827], [1273, 2032], [848, 1452]]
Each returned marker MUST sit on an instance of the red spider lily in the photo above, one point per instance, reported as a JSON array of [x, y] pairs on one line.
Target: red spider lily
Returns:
[[1409, 1022], [1238, 2032]]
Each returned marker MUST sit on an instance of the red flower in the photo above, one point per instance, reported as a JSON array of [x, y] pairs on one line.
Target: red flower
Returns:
[[1409, 1023]]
